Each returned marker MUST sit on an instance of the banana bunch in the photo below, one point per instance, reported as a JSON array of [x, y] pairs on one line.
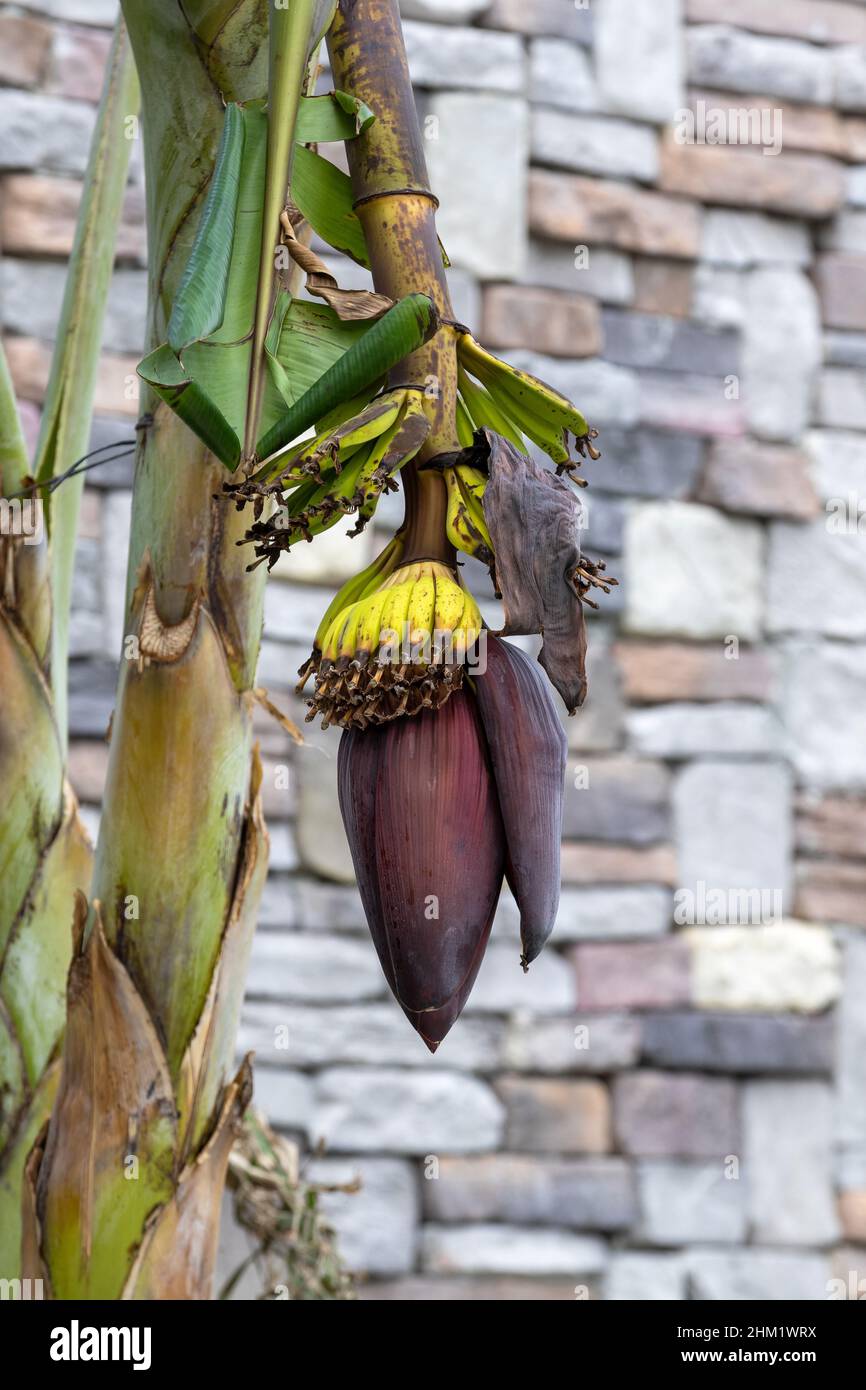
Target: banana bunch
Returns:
[[394, 641], [497, 396], [345, 468], [465, 525]]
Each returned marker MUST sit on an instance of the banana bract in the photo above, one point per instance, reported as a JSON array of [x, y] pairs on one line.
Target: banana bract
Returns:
[[438, 810]]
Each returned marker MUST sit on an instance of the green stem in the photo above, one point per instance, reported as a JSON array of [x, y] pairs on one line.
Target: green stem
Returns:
[[66, 417], [291, 32]]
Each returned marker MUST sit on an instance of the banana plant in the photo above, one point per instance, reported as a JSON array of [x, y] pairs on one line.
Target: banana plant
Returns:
[[264, 420], [45, 853], [452, 758]]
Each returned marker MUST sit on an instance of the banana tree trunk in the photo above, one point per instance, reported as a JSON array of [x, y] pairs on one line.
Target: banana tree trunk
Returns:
[[123, 1191], [45, 854], [397, 210]]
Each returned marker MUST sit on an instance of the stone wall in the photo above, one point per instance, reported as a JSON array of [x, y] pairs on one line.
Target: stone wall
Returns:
[[672, 1103]]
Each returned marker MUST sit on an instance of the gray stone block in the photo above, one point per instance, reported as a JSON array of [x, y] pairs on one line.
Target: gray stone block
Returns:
[[732, 826], [821, 684], [718, 296], [721, 1276], [781, 352], [383, 1110], [39, 132], [851, 1078], [684, 1201], [376, 1226], [787, 1145], [483, 1249], [666, 1114], [443, 57], [443, 11], [734, 61], [561, 75], [638, 55], [635, 1276], [369, 1034], [741, 239], [617, 799], [548, 987], [845, 349], [92, 687], [691, 572], [589, 144], [612, 913], [727, 728], [748, 1043], [100, 12], [591, 270], [837, 459], [654, 340], [842, 398], [482, 221], [120, 435], [796, 555], [591, 1194], [286, 1097], [326, 969], [582, 1043], [849, 62], [647, 463]]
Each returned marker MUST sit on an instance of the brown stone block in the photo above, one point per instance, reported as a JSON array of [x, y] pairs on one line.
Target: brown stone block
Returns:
[[742, 475], [556, 1116], [818, 21], [595, 863], [38, 212], [663, 287], [583, 211], [658, 672], [633, 974], [24, 46], [832, 891], [835, 825], [842, 291], [800, 185], [549, 321]]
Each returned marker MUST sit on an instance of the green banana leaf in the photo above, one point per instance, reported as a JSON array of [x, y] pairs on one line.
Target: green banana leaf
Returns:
[[401, 331], [14, 465], [304, 341], [202, 372], [200, 303], [338, 116], [323, 195]]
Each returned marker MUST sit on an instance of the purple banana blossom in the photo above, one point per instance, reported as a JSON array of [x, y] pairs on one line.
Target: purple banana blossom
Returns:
[[438, 809]]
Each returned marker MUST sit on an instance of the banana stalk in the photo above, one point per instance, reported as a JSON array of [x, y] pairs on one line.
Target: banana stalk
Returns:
[[46, 855], [397, 211], [123, 1188]]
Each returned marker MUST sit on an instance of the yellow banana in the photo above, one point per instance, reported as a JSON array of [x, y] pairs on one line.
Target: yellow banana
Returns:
[[370, 625], [449, 603], [420, 614], [395, 616], [360, 585], [465, 524]]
